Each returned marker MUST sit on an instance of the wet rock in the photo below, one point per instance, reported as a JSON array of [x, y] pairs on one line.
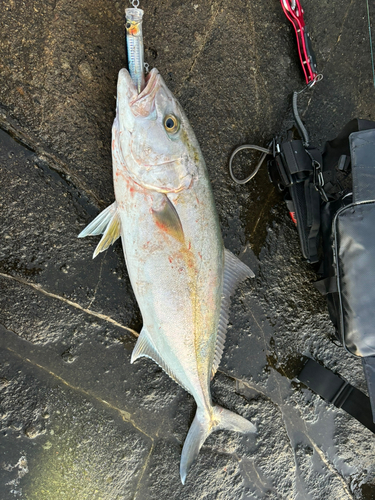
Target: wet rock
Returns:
[[77, 420], [86, 443], [3, 383], [43, 248], [34, 430], [68, 355], [85, 70]]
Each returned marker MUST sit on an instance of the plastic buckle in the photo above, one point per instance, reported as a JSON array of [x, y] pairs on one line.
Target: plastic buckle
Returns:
[[275, 146]]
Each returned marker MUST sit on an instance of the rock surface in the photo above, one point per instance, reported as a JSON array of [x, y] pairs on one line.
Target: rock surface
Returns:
[[77, 421]]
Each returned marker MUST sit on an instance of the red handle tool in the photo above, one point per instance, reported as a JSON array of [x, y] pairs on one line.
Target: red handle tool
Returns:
[[294, 12]]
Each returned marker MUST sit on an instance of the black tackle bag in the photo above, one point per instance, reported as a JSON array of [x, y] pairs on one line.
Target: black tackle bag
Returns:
[[331, 198]]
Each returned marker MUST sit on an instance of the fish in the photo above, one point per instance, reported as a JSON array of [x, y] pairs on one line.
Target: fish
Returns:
[[181, 274]]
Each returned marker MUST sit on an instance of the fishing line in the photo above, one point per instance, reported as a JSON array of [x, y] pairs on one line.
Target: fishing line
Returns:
[[371, 49]]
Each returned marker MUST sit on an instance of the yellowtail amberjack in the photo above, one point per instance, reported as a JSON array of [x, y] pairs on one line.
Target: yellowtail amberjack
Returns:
[[180, 272]]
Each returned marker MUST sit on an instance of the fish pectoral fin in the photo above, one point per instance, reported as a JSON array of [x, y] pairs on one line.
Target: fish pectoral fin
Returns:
[[235, 271], [108, 224], [145, 348], [166, 217]]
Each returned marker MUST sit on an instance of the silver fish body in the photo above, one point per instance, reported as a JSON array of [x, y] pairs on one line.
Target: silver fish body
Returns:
[[180, 272]]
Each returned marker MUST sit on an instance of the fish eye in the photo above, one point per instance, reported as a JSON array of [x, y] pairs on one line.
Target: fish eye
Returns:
[[171, 124]]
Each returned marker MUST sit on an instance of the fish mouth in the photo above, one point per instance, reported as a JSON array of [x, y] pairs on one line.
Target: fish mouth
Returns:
[[143, 103], [151, 81]]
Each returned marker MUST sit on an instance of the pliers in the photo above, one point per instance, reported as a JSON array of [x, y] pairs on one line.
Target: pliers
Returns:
[[294, 12]]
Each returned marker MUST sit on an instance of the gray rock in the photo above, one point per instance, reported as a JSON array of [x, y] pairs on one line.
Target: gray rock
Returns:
[[76, 419]]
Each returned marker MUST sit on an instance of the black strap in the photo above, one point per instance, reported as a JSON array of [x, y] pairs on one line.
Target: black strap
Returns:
[[338, 391], [368, 364], [313, 220], [326, 285]]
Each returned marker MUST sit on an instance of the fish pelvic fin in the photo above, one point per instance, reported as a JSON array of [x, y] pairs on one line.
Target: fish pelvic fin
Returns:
[[201, 428], [108, 224]]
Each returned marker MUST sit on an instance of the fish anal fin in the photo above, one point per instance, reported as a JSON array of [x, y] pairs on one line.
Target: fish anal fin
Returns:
[[145, 348], [235, 271], [167, 218]]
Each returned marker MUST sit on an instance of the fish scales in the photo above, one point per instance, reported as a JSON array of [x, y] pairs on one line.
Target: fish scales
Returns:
[[178, 267]]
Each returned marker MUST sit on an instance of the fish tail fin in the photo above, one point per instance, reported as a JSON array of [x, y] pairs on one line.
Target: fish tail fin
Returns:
[[202, 427]]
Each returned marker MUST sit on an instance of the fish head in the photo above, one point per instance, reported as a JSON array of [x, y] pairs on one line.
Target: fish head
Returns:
[[152, 138]]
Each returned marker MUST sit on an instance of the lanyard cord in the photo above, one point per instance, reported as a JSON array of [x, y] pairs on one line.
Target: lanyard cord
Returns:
[[265, 152]]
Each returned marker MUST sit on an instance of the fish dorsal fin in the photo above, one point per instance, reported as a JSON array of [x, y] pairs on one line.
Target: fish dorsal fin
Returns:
[[235, 271], [145, 348], [107, 223]]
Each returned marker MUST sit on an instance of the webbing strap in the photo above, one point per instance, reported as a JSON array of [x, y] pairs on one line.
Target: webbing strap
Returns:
[[313, 214], [368, 364], [326, 285], [337, 391]]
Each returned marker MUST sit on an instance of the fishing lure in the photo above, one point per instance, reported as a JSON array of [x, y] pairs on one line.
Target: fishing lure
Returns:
[[134, 42]]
